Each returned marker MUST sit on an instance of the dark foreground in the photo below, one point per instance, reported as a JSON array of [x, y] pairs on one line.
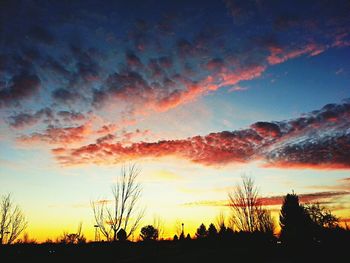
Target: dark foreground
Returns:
[[170, 251]]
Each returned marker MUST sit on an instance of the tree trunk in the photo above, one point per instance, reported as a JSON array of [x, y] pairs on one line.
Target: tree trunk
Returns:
[[115, 235]]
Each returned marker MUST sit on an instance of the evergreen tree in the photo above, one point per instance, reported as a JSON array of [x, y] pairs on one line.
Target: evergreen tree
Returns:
[[212, 232], [202, 231], [296, 225]]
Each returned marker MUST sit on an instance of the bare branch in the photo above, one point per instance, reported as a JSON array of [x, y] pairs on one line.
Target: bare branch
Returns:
[[248, 213], [126, 194], [12, 222]]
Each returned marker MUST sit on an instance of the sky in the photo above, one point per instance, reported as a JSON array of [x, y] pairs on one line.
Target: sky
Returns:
[[197, 93]]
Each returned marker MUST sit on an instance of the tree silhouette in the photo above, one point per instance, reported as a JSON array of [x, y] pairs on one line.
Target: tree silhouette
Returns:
[[296, 224], [182, 236], [201, 231], [323, 220], [12, 220], [158, 223], [243, 203], [221, 222], [121, 235], [266, 222], [248, 214], [126, 194], [212, 232], [175, 238], [26, 239], [321, 216], [178, 228], [149, 233], [73, 238]]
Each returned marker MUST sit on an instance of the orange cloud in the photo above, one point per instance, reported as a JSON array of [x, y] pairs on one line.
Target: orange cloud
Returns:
[[215, 148], [279, 55], [320, 197], [224, 77], [319, 140]]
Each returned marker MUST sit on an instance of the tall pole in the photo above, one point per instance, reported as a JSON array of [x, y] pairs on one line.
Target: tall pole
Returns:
[[96, 233]]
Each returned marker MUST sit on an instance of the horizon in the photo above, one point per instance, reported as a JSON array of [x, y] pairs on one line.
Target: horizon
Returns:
[[196, 94]]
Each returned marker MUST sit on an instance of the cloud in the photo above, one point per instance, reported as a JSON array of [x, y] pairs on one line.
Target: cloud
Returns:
[[316, 140], [135, 89], [237, 88], [46, 115], [161, 176], [207, 203], [132, 60], [129, 86], [215, 64], [215, 148], [71, 116], [58, 135], [105, 138], [23, 120], [65, 96], [326, 197], [319, 140], [340, 185], [279, 55], [95, 75], [70, 59], [267, 129], [319, 197], [21, 87]]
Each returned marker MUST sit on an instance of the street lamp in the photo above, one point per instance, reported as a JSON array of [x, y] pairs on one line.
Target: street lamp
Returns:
[[97, 236]]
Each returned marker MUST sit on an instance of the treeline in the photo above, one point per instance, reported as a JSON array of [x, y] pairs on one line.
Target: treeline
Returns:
[[249, 220], [300, 224]]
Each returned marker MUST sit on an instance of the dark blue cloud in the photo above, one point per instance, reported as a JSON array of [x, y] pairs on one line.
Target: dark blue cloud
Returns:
[[20, 87], [79, 56]]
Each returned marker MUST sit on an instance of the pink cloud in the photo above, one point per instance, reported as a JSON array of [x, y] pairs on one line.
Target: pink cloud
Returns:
[[54, 135], [279, 55], [306, 142]]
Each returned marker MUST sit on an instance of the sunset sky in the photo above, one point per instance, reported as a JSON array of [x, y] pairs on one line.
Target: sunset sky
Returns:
[[197, 93]]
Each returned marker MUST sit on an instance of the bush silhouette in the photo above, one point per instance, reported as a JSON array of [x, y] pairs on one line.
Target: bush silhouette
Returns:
[[121, 235], [149, 233]]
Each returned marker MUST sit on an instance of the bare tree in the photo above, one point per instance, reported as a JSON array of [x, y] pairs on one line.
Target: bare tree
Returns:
[[26, 239], [266, 222], [12, 222], [248, 213], [158, 223], [243, 202], [74, 238], [125, 214], [221, 222]]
